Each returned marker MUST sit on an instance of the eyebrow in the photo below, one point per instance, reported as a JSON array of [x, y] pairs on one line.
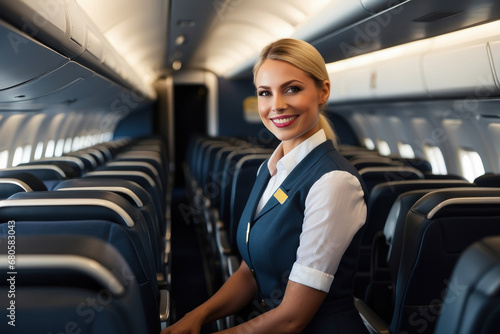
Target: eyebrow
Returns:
[[282, 85]]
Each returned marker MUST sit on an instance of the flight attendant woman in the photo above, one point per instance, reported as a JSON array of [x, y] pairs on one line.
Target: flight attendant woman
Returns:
[[300, 231]]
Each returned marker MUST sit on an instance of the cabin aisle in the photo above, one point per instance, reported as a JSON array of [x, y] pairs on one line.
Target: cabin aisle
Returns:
[[189, 269]]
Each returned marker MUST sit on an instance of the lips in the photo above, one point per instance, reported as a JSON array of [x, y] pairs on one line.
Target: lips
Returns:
[[284, 121]]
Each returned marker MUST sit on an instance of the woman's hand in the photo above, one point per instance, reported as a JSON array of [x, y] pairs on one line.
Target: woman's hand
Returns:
[[189, 324]]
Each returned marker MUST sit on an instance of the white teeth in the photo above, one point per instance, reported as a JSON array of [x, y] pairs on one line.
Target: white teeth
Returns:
[[283, 120]]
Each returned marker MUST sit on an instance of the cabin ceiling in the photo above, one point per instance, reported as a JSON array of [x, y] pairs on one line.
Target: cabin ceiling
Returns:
[[215, 33], [136, 42]]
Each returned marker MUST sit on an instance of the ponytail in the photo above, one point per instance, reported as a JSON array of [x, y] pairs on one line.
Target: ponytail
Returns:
[[326, 125]]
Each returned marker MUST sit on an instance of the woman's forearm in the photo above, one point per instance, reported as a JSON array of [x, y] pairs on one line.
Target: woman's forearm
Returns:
[[298, 307], [236, 293]]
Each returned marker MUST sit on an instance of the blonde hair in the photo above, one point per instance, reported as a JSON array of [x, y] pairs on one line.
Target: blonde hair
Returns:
[[305, 57]]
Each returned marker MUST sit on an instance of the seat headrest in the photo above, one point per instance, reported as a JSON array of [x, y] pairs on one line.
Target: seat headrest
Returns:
[[408, 185], [462, 200], [51, 259], [27, 181], [48, 170], [488, 180], [71, 205], [130, 190]]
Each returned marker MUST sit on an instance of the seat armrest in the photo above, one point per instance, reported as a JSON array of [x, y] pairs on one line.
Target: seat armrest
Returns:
[[222, 242], [164, 307], [233, 264], [372, 321], [166, 256]]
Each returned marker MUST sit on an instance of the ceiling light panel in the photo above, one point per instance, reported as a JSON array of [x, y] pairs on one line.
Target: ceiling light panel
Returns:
[[234, 23], [125, 28]]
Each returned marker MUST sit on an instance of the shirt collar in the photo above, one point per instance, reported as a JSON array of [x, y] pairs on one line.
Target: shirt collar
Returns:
[[288, 162]]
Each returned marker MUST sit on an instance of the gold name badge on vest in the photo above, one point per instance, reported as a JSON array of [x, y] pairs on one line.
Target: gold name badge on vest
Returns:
[[280, 196]]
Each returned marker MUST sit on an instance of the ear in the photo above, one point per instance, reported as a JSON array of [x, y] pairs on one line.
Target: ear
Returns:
[[324, 92]]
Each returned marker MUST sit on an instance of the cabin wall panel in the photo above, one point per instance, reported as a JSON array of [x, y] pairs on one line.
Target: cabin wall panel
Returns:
[[231, 116], [459, 70], [399, 77]]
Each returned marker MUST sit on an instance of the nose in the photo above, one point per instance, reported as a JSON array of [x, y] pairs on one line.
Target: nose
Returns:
[[279, 103]]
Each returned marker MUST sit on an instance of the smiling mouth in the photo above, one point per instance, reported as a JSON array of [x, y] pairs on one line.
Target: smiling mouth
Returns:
[[284, 121]]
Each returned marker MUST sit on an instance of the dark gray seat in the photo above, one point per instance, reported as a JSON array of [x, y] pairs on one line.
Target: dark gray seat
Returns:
[[375, 175], [488, 180], [101, 214], [50, 172], [382, 196], [13, 181], [137, 196], [438, 228], [71, 283], [475, 306]]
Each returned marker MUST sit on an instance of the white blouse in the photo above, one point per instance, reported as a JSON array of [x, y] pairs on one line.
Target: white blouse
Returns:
[[334, 211]]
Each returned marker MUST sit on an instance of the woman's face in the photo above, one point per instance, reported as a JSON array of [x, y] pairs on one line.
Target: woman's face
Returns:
[[288, 101]]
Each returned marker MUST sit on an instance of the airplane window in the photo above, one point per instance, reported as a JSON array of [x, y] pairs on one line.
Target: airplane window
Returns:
[[18, 156], [76, 144], [436, 159], [26, 154], [38, 151], [383, 147], [472, 165], [4, 158], [49, 150], [59, 148], [405, 150], [369, 143], [494, 132], [67, 145], [88, 141]]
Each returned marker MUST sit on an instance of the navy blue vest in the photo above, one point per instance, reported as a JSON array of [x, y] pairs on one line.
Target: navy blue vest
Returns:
[[268, 242]]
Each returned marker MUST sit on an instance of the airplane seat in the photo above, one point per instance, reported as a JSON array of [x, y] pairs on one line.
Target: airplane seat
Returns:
[[354, 152], [71, 283], [421, 164], [208, 181], [228, 178], [431, 176], [244, 177], [98, 155], [152, 158], [140, 166], [438, 228], [218, 171], [142, 179], [101, 214], [152, 146], [76, 163], [13, 181], [136, 195], [107, 149], [198, 173], [364, 162], [474, 308], [88, 160], [51, 173], [386, 255], [488, 180], [375, 175], [381, 199], [245, 173]]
